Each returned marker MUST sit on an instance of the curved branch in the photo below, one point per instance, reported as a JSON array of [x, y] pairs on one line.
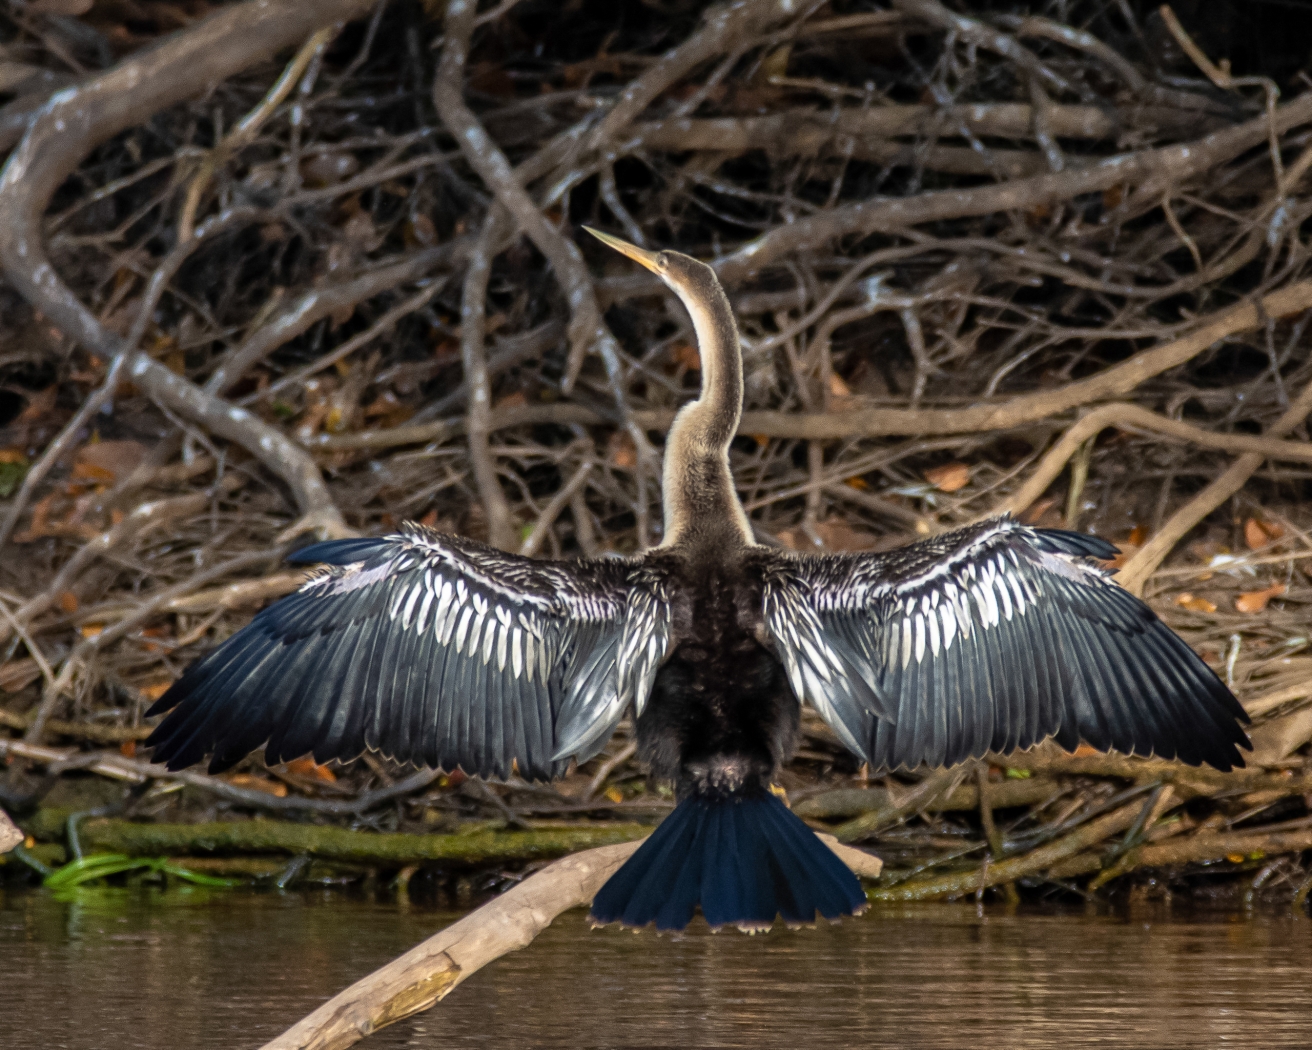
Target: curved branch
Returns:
[[73, 123], [1127, 416], [1169, 164], [426, 974]]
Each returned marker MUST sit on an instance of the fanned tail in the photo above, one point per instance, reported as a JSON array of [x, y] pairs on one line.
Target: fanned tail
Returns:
[[744, 859]]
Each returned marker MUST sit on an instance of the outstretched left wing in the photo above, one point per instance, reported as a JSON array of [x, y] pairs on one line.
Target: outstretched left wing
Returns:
[[431, 649], [991, 638]]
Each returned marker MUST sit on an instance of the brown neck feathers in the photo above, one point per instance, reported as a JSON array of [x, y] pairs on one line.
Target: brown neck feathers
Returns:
[[701, 506]]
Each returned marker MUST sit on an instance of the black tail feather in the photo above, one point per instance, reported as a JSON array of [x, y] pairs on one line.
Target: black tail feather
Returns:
[[744, 859]]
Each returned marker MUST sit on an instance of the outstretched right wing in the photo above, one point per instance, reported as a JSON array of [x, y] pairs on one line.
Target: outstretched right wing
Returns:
[[992, 637], [431, 649]]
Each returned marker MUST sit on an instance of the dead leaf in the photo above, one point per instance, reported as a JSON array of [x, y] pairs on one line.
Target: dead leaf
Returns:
[[38, 405], [859, 483], [1084, 750], [68, 602], [1138, 535], [308, 767], [835, 535], [950, 477], [1124, 552], [91, 630], [615, 794], [269, 787], [838, 386], [621, 452], [429, 519], [1255, 601], [1259, 534], [108, 461], [1279, 737], [1032, 514], [511, 400], [326, 169], [686, 355], [1198, 605], [154, 690], [128, 749]]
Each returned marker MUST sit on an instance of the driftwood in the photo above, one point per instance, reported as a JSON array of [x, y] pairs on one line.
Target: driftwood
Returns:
[[426, 974]]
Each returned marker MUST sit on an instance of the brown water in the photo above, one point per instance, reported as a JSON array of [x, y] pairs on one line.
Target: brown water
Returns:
[[190, 968]]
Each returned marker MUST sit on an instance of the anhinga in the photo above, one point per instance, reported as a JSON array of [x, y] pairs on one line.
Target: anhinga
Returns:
[[442, 651]]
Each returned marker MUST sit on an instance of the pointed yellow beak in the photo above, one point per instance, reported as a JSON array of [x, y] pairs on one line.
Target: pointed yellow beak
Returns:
[[638, 255]]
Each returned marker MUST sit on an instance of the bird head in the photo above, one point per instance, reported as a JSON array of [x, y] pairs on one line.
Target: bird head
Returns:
[[687, 277]]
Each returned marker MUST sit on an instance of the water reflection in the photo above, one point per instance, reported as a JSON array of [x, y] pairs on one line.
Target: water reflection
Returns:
[[197, 968]]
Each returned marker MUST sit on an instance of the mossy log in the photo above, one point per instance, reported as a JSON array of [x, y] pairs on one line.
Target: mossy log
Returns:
[[328, 843]]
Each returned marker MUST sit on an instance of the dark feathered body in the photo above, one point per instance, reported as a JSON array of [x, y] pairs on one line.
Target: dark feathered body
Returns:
[[721, 716]]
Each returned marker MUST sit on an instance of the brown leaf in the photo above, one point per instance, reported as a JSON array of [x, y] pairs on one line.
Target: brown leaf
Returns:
[[38, 405], [835, 534], [621, 452], [308, 767], [838, 386], [1198, 605], [950, 477], [1255, 601], [269, 787], [155, 690], [325, 169], [68, 602], [1124, 552], [107, 461], [1036, 510], [515, 399], [1137, 536], [839, 536], [1258, 533], [128, 749], [686, 354]]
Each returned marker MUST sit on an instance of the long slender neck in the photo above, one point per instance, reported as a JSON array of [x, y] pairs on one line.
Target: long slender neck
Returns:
[[701, 506]]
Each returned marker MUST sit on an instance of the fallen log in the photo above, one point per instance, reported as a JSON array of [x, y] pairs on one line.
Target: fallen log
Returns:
[[328, 843]]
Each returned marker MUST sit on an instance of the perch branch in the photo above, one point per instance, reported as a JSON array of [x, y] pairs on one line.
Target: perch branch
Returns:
[[426, 974]]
